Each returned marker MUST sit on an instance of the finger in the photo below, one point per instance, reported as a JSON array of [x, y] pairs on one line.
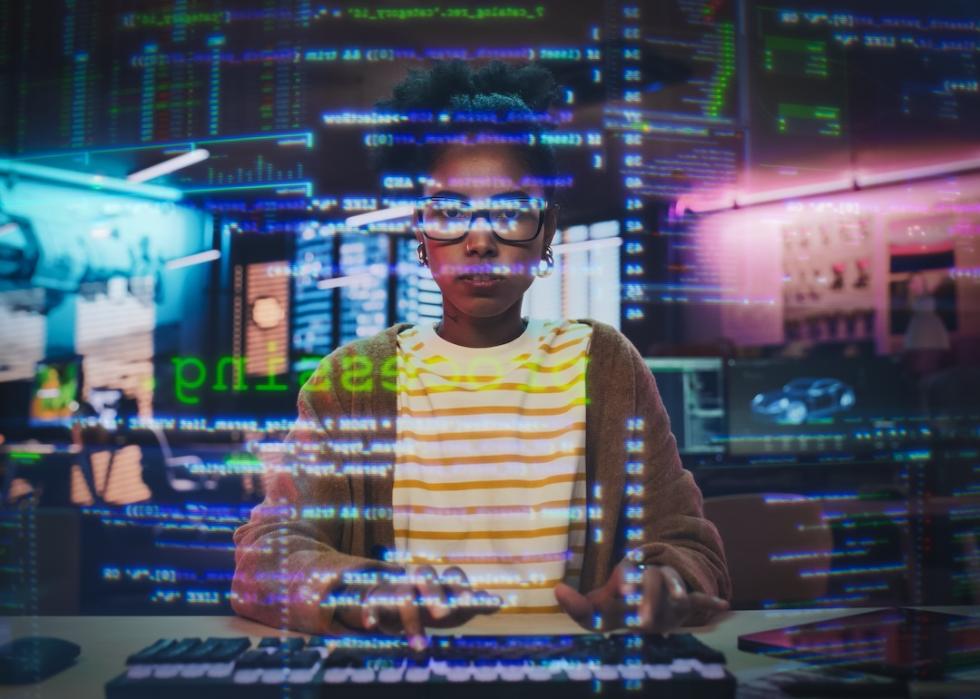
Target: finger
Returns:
[[700, 600], [433, 593], [454, 575], [464, 601], [369, 610], [576, 605], [678, 601], [703, 608], [388, 598], [628, 578], [655, 605], [470, 602], [457, 587], [652, 588], [409, 614], [665, 603]]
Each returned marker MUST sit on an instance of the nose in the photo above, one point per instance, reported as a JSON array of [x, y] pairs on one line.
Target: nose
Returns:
[[479, 239]]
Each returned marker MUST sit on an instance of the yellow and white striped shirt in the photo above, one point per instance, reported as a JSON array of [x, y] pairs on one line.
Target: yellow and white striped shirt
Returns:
[[490, 459]]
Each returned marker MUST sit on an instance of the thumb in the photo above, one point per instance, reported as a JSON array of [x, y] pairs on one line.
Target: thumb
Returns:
[[575, 604]]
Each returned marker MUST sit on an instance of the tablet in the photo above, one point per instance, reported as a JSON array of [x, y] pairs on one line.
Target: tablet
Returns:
[[905, 643]]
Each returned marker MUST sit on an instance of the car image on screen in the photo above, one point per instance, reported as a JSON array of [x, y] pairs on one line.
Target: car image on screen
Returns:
[[803, 399]]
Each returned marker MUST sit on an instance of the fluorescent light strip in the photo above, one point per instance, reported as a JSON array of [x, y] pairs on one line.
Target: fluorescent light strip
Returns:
[[845, 185], [918, 173], [389, 214], [807, 190], [565, 248], [352, 280], [195, 259], [183, 160], [89, 181]]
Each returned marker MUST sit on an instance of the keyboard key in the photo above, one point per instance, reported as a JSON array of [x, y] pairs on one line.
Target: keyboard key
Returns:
[[336, 675], [147, 654], [362, 675], [302, 676], [418, 673], [712, 671], [605, 672], [251, 659], [249, 676], [390, 675], [176, 652], [219, 671], [512, 672], [139, 672], [486, 673], [631, 672], [228, 649], [276, 676], [303, 660], [658, 672], [539, 673], [192, 671], [167, 671]]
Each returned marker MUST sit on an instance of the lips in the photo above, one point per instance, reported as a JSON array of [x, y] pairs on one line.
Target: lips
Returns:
[[480, 277]]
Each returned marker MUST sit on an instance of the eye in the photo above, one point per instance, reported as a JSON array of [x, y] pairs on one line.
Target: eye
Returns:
[[450, 209], [510, 210]]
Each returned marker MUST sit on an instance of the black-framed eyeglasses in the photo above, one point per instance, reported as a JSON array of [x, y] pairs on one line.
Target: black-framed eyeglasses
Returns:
[[512, 219]]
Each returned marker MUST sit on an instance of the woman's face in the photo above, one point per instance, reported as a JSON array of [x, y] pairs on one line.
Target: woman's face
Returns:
[[479, 173]]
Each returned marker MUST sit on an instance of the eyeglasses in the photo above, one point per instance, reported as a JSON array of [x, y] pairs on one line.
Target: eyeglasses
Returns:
[[512, 219]]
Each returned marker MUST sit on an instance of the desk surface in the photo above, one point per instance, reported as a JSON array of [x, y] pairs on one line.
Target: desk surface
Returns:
[[107, 641]]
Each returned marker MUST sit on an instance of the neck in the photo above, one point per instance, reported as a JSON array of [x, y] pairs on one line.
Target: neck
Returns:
[[469, 331]]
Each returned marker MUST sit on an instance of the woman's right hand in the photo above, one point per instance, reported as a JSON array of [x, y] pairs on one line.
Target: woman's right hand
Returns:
[[408, 604]]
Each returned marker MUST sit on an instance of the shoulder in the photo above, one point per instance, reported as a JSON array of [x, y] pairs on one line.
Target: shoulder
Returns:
[[364, 358], [608, 340], [380, 345]]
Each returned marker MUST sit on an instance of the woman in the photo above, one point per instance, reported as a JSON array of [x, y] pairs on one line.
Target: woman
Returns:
[[533, 468]]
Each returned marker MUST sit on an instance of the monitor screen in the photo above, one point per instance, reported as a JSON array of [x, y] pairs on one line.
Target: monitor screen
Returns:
[[910, 643], [105, 402], [812, 405], [55, 395], [691, 389]]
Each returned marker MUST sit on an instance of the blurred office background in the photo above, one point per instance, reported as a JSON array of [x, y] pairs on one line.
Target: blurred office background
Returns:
[[779, 204]]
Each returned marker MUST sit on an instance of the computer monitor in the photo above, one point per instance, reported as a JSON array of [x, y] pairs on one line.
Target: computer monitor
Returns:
[[105, 402], [55, 393], [793, 406], [692, 391]]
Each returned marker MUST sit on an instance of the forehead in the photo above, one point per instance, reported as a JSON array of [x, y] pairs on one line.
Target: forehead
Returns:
[[481, 171]]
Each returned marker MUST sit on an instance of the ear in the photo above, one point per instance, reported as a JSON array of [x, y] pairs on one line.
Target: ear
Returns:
[[550, 225]]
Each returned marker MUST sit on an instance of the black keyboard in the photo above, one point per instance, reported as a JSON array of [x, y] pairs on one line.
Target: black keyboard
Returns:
[[473, 667]]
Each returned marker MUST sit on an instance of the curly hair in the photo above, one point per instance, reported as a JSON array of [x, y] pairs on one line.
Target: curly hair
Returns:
[[454, 103]]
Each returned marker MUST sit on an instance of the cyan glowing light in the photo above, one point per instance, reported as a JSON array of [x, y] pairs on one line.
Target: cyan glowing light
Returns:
[[179, 162], [394, 212], [88, 181], [195, 259]]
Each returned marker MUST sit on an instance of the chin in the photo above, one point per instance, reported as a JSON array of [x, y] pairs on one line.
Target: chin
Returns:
[[483, 307]]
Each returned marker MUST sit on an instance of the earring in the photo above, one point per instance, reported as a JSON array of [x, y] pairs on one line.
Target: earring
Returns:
[[423, 258], [547, 264]]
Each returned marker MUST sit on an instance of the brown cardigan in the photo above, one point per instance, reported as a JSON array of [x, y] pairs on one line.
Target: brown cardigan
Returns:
[[295, 547]]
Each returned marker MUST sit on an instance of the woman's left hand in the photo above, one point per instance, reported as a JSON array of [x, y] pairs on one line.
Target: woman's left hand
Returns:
[[656, 595]]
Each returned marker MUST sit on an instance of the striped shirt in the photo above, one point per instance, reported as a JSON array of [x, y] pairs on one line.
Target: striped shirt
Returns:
[[490, 459]]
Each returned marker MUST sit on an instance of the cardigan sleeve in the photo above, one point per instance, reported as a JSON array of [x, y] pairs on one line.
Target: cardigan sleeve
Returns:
[[674, 529], [290, 555]]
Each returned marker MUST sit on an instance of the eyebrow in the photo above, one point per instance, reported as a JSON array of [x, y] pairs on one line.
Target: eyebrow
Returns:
[[503, 195]]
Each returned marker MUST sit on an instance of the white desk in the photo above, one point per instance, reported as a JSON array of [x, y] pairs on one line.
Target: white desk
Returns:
[[107, 641]]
